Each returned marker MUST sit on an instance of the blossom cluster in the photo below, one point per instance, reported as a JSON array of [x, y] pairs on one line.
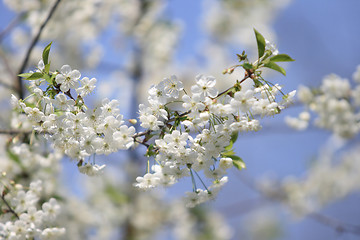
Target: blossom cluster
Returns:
[[77, 130], [336, 104], [187, 133], [32, 220], [199, 140]]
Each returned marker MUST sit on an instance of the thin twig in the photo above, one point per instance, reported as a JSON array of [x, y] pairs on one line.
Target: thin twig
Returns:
[[10, 26], [6, 85], [13, 131], [278, 195], [335, 224], [31, 47], [223, 92], [9, 207], [243, 207]]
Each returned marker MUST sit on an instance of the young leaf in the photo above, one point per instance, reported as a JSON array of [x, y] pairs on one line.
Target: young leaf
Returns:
[[14, 157], [234, 136], [229, 147], [228, 153], [281, 58], [47, 78], [260, 43], [45, 54], [25, 75], [47, 68], [275, 67], [35, 76], [247, 66], [237, 162]]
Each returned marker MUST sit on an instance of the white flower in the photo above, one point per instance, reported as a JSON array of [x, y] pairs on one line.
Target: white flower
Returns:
[[20, 229], [62, 102], [33, 216], [150, 122], [34, 114], [87, 86], [243, 101], [194, 198], [305, 95], [205, 86], [91, 170], [172, 86], [67, 78], [176, 139], [109, 107], [193, 104], [270, 46], [23, 200], [296, 123], [51, 209], [225, 163], [52, 233], [148, 181], [124, 137], [41, 65], [356, 74], [157, 93], [334, 86]]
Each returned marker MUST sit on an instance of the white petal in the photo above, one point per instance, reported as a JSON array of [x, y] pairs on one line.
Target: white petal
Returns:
[[66, 69]]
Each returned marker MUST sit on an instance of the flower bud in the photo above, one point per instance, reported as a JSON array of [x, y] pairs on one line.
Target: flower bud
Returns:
[[133, 121]]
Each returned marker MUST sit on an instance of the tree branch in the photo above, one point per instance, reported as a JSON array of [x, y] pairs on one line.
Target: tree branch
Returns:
[[10, 26], [278, 195], [13, 131], [31, 47], [335, 224], [9, 207]]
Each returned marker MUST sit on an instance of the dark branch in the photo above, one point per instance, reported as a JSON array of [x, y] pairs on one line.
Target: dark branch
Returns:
[[11, 25], [336, 224], [9, 207], [13, 131], [278, 196], [31, 47]]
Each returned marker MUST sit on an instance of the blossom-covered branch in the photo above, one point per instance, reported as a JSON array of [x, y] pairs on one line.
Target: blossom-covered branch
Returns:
[[188, 133]]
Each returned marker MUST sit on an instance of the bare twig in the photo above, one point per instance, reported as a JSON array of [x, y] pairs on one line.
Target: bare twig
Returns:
[[243, 207], [9, 207], [8, 68], [335, 224], [31, 47], [6, 85], [278, 195], [13, 131], [10, 26]]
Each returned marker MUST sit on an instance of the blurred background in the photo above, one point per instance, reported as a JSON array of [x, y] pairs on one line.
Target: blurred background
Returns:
[[129, 45]]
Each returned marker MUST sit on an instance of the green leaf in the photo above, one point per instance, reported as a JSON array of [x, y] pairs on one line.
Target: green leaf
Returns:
[[47, 68], [150, 151], [238, 162], [229, 147], [247, 66], [228, 153], [14, 157], [281, 58], [47, 78], [45, 54], [25, 75], [260, 43], [35, 76], [275, 67], [234, 136]]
